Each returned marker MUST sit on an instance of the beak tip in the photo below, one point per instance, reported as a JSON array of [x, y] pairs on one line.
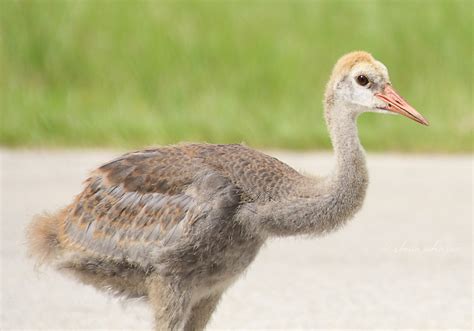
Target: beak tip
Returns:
[[398, 105]]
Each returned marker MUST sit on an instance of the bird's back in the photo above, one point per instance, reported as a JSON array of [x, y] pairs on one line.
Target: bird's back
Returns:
[[172, 169]]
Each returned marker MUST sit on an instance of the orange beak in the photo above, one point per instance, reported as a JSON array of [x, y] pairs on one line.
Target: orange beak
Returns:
[[397, 104]]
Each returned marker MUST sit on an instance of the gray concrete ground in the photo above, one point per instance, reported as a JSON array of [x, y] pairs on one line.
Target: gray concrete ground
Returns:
[[403, 262]]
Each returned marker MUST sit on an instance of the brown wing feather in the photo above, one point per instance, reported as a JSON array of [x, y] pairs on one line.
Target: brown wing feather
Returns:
[[167, 170], [109, 221], [134, 202]]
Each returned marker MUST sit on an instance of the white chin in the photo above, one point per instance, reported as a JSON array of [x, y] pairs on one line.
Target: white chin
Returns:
[[383, 111]]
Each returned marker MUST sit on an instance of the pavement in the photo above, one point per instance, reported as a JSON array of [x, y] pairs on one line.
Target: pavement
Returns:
[[405, 261]]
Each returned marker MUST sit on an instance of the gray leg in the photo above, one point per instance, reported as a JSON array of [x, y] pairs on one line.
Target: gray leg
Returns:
[[201, 313], [170, 305]]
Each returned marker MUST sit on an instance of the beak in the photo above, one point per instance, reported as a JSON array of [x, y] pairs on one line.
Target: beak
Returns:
[[397, 104]]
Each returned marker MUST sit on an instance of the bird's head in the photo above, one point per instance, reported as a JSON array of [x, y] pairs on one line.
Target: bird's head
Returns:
[[361, 84]]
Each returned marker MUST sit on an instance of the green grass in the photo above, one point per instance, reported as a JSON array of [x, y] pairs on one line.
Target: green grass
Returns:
[[131, 74]]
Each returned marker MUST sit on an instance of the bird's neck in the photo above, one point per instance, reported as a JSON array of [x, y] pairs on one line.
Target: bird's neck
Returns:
[[350, 170], [320, 206]]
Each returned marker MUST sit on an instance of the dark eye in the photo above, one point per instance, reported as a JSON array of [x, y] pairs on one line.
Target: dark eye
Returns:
[[362, 80]]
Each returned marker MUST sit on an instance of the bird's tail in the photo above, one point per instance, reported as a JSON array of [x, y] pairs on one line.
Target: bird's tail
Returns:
[[43, 236]]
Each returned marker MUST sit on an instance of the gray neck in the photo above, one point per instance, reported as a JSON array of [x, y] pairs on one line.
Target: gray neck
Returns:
[[321, 207], [350, 173]]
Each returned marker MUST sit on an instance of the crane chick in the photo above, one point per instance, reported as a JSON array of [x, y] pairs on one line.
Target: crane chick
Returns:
[[177, 225]]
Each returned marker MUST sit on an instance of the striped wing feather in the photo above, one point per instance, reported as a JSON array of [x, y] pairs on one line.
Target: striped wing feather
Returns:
[[132, 203]]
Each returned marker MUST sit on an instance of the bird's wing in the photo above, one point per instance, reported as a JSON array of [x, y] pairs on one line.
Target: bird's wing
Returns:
[[143, 201]]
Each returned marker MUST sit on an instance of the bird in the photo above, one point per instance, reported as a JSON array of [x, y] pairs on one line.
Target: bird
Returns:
[[177, 225]]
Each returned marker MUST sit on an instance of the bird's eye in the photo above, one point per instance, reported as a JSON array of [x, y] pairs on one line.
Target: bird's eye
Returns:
[[362, 80]]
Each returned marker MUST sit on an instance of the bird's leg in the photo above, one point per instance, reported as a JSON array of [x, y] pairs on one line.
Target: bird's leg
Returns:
[[171, 305], [201, 313]]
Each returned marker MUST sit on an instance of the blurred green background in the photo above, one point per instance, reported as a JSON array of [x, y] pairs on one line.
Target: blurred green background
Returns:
[[135, 73]]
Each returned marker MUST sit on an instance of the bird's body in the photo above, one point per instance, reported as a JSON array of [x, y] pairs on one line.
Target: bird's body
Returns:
[[178, 224], [154, 209]]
